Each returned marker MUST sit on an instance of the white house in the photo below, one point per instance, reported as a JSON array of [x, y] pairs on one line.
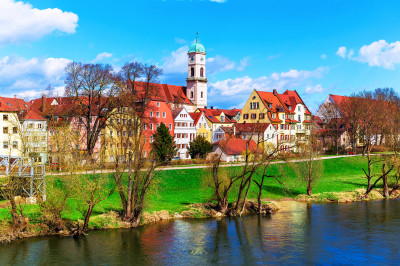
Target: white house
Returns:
[[185, 131]]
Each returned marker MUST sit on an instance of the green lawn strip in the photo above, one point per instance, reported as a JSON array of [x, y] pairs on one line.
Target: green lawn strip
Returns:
[[175, 190]]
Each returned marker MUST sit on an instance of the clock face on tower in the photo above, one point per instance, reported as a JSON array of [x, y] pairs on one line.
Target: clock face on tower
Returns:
[[192, 58]]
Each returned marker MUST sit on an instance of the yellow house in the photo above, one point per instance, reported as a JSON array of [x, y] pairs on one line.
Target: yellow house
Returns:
[[117, 136], [215, 119], [287, 113], [202, 126]]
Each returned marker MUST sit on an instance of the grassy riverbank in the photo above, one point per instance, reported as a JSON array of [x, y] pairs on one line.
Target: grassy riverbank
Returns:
[[178, 189]]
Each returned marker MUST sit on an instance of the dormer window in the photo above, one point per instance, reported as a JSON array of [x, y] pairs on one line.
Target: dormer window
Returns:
[[290, 107], [273, 116], [270, 105]]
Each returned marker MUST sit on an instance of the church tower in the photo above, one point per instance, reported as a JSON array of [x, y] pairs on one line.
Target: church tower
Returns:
[[196, 81]]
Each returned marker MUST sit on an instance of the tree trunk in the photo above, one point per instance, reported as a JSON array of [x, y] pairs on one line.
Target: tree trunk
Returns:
[[385, 182], [309, 188], [128, 213], [87, 217]]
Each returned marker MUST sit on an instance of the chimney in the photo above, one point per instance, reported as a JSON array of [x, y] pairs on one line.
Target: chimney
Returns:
[[43, 103], [212, 107], [15, 96]]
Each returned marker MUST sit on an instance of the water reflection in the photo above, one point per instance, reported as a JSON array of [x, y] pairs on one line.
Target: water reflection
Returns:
[[300, 233]]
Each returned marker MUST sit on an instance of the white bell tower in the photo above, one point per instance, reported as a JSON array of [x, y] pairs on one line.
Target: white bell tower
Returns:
[[196, 81]]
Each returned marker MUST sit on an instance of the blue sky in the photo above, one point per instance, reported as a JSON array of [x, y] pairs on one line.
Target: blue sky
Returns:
[[315, 47]]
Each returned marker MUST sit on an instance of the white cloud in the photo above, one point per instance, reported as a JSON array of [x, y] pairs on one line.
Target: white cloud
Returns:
[[218, 1], [279, 81], [177, 62], [219, 64], [379, 53], [20, 22], [323, 56], [243, 63], [100, 57], [314, 89], [27, 76], [341, 52]]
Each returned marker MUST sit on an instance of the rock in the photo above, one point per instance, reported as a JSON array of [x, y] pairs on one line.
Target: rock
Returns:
[[163, 215], [218, 214], [178, 216]]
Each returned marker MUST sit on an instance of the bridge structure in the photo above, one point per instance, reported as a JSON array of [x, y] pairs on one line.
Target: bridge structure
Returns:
[[26, 168]]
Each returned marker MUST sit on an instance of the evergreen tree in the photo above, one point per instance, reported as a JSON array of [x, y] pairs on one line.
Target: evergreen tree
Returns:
[[199, 147], [164, 148]]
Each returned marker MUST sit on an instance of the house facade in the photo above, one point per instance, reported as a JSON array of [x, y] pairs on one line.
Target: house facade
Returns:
[[185, 131], [286, 112]]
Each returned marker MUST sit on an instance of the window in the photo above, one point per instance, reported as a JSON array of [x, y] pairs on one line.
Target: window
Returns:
[[201, 94], [30, 125], [192, 72], [245, 116], [15, 144], [273, 116], [199, 125], [158, 104], [158, 114], [158, 125], [111, 121], [282, 126], [144, 127], [299, 118], [299, 108], [35, 138], [15, 130], [151, 139], [124, 133], [164, 114], [270, 105], [290, 107], [151, 126], [5, 117], [5, 130], [111, 133], [170, 126], [5, 144], [261, 116], [253, 116], [151, 113], [191, 94], [201, 72]]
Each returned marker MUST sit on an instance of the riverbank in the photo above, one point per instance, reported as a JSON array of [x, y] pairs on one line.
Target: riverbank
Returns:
[[179, 190]]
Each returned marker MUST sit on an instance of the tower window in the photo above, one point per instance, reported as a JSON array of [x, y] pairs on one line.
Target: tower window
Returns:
[[201, 94], [201, 72], [192, 72], [191, 94]]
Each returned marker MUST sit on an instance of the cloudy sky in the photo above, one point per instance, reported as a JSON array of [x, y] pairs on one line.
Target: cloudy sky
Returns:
[[316, 47]]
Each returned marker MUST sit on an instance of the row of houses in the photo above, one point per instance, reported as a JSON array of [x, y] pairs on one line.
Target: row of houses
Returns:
[[268, 119]]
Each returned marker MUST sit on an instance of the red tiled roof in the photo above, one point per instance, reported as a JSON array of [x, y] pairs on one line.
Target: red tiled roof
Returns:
[[196, 117], [12, 104], [251, 127], [31, 115], [236, 146], [176, 112], [165, 92], [211, 117]]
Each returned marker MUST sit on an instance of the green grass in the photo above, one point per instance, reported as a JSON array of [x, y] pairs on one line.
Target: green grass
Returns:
[[176, 189]]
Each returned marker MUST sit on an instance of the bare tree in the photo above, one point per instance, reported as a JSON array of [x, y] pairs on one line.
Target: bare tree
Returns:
[[92, 88], [135, 97]]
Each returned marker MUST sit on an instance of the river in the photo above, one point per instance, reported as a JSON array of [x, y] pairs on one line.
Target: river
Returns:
[[300, 233]]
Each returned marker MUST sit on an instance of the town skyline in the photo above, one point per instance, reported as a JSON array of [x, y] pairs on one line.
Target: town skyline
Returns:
[[275, 46]]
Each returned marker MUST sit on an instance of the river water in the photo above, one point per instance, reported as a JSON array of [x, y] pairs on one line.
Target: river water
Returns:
[[300, 233]]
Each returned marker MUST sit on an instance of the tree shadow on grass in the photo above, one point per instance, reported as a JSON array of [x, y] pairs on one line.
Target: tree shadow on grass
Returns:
[[278, 191]]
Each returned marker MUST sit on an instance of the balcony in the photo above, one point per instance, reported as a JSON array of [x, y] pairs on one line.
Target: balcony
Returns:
[[301, 131], [196, 79]]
